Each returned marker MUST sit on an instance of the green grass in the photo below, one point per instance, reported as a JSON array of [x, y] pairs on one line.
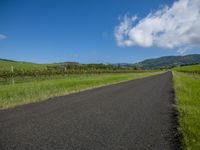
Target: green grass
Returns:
[[6, 65], [23, 93], [191, 68], [187, 88], [25, 79]]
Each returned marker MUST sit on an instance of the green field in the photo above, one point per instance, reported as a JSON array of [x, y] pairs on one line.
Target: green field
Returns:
[[15, 71], [6, 65], [191, 68], [187, 89], [33, 91]]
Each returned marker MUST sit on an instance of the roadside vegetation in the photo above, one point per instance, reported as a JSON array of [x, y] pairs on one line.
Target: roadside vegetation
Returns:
[[187, 88], [13, 71], [22, 82], [33, 91]]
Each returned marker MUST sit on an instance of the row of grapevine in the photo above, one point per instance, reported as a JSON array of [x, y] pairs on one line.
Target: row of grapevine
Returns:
[[65, 69]]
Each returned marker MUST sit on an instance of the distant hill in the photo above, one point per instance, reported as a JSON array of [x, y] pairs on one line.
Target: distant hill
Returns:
[[157, 63], [169, 62]]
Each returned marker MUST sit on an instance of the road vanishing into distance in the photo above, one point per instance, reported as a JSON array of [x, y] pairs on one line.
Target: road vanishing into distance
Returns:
[[133, 115]]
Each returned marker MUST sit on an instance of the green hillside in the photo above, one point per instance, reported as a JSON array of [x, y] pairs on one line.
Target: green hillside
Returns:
[[169, 62], [28, 69], [6, 65]]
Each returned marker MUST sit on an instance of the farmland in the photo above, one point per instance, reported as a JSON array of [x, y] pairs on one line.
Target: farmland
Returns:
[[189, 69], [187, 88], [13, 71], [36, 82]]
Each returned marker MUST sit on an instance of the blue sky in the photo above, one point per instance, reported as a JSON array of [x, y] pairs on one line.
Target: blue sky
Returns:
[[46, 31]]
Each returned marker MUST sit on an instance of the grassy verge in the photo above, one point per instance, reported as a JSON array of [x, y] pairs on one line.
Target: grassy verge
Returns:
[[187, 88], [23, 93]]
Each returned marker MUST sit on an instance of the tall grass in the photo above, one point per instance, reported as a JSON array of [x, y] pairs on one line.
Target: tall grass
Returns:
[[23, 93], [187, 88]]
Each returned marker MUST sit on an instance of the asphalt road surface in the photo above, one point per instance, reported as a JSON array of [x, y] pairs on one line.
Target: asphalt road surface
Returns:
[[134, 115]]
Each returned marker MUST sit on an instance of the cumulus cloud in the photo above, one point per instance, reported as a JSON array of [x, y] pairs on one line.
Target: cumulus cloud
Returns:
[[177, 26], [2, 37]]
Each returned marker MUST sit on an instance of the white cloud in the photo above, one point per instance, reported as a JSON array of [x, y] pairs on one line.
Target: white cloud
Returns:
[[177, 26], [2, 37]]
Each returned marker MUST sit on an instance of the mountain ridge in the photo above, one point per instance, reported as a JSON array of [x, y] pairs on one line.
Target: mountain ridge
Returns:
[[168, 61], [163, 62]]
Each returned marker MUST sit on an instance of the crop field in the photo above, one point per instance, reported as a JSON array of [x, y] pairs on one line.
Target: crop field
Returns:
[[24, 82], [18, 72], [187, 88]]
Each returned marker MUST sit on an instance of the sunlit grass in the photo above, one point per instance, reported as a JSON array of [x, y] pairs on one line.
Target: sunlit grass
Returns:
[[187, 87], [6, 65], [23, 93], [190, 68]]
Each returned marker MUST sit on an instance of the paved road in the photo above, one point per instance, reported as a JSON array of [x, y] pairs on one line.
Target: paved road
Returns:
[[134, 115]]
